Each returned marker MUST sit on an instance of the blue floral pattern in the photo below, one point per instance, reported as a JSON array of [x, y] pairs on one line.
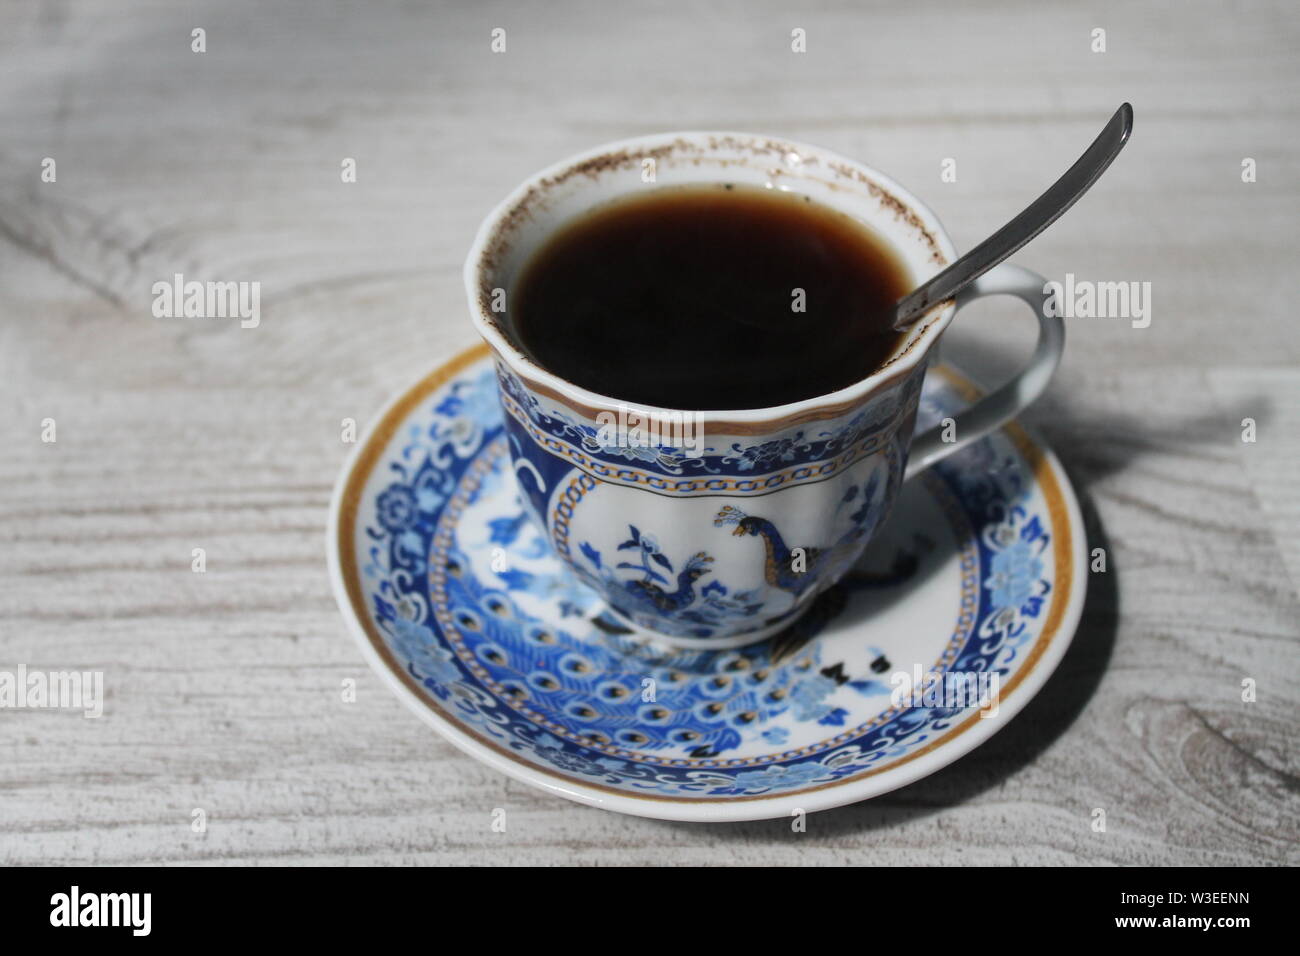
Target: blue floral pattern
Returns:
[[756, 459]]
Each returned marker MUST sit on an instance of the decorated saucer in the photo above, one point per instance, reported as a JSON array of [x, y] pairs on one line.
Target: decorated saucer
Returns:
[[954, 618]]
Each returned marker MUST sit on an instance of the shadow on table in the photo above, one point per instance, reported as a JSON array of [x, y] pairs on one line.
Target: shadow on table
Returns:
[[1045, 718]]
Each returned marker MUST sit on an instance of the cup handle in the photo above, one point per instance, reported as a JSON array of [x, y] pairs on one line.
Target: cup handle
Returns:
[[997, 408]]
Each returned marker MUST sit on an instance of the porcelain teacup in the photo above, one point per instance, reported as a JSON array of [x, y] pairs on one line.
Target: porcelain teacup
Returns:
[[707, 528]]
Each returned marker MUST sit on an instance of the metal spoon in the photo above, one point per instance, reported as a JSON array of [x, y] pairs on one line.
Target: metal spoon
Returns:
[[1040, 214]]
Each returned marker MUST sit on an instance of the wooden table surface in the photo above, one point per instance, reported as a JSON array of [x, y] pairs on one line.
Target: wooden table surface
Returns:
[[223, 688]]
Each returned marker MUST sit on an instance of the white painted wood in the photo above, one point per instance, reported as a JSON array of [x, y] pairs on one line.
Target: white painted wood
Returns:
[[224, 688]]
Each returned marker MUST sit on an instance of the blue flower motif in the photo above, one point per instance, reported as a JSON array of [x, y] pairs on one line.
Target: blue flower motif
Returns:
[[555, 751], [411, 633], [779, 777], [433, 660], [809, 695], [574, 763], [396, 508], [766, 454], [1015, 573]]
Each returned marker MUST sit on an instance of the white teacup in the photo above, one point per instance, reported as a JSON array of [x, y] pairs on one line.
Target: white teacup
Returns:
[[718, 528]]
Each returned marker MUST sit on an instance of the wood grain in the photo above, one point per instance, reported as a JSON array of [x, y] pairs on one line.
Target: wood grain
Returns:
[[224, 687]]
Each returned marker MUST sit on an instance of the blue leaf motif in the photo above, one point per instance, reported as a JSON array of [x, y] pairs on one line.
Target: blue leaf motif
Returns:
[[516, 580], [505, 530], [835, 718]]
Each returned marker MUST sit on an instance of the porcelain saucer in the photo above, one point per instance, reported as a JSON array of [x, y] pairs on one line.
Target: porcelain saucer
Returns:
[[954, 618]]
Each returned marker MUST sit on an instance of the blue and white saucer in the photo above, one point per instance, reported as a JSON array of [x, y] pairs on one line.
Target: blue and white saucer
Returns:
[[455, 598]]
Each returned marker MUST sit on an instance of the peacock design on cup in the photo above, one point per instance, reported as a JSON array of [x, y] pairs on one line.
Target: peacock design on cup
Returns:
[[650, 593], [796, 569], [663, 594]]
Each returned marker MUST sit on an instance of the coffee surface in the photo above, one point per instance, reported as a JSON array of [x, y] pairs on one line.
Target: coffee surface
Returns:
[[710, 297]]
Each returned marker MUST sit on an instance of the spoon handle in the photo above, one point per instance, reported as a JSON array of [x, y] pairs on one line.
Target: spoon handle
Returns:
[[1040, 214]]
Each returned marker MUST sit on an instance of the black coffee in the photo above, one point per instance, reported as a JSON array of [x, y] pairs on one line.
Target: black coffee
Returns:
[[710, 297]]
